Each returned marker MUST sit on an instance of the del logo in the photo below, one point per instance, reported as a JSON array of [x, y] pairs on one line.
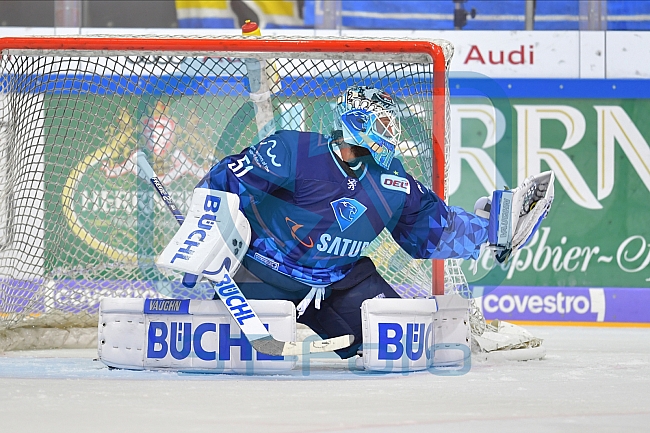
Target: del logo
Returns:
[[394, 343], [179, 340], [347, 211], [395, 183]]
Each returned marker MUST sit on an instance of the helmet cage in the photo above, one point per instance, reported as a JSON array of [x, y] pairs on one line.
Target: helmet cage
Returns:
[[369, 119]]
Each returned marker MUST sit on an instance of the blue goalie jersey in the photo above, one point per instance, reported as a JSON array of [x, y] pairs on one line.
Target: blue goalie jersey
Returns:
[[312, 215]]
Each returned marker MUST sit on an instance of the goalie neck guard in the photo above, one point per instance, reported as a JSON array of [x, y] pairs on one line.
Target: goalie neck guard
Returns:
[[368, 117]]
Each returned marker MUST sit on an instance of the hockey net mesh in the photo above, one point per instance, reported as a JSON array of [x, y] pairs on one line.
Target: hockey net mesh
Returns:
[[76, 223]]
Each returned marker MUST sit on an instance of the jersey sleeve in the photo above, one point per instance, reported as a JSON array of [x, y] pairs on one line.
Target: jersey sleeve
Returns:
[[256, 172], [430, 229]]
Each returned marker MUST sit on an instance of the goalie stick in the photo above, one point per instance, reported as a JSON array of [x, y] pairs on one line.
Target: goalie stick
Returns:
[[263, 341]]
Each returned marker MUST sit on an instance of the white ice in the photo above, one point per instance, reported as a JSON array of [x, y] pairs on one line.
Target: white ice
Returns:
[[592, 379]]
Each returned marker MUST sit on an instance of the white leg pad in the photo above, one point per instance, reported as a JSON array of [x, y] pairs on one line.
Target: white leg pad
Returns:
[[415, 334], [189, 336], [398, 334]]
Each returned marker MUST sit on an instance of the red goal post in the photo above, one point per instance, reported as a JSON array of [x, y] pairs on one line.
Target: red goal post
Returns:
[[56, 97]]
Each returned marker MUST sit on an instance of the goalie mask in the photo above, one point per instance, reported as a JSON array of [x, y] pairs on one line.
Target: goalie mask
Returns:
[[368, 117]]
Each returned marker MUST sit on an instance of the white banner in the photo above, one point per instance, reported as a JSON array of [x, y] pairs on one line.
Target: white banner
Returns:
[[628, 54], [497, 54]]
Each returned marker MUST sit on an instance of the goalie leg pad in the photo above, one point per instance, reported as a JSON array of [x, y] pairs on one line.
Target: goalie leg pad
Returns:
[[402, 335], [398, 334], [189, 336], [215, 235]]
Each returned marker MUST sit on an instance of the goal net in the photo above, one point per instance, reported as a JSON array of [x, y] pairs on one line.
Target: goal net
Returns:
[[76, 222]]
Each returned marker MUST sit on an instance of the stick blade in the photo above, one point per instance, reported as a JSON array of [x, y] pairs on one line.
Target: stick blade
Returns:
[[328, 345], [270, 346]]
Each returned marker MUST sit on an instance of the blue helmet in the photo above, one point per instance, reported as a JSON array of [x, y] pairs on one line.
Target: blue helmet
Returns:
[[369, 118]]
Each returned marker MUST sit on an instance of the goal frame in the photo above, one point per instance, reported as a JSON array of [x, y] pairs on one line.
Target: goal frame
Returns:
[[363, 48]]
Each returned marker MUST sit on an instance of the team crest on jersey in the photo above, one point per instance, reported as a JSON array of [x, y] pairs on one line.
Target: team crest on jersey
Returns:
[[347, 211], [395, 183]]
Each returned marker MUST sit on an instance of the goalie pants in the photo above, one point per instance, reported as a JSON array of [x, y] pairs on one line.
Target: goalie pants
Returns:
[[340, 311]]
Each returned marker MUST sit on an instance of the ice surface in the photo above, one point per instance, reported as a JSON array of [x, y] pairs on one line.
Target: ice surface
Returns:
[[592, 379]]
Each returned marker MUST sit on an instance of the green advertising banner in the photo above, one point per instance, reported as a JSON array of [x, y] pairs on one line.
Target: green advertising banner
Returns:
[[598, 230]]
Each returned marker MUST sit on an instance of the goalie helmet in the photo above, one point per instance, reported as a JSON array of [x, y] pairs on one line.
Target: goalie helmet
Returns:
[[369, 117]]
